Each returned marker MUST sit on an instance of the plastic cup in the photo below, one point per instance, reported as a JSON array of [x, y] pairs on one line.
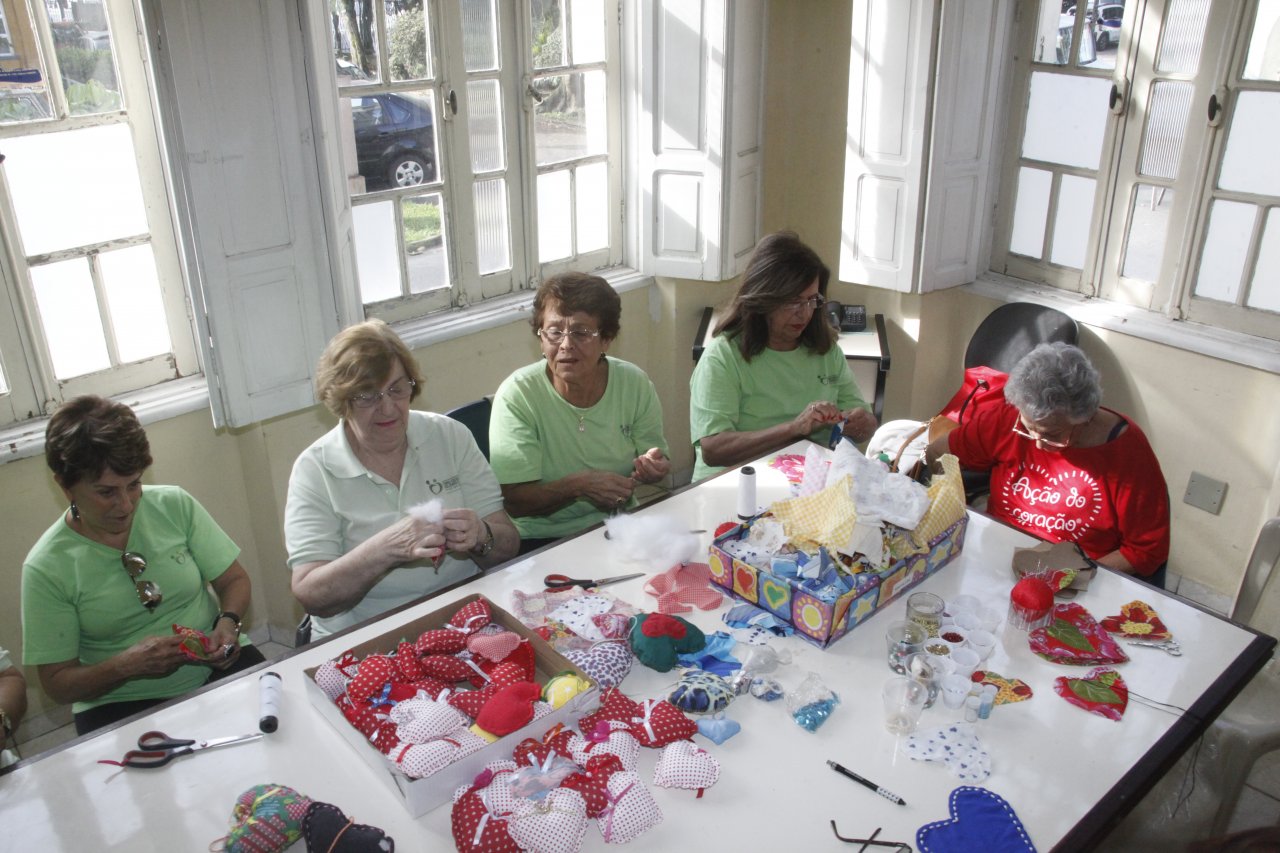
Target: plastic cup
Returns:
[[902, 640], [943, 665], [966, 661], [963, 604], [925, 609], [982, 642], [969, 621], [991, 619], [921, 668], [904, 699], [938, 646], [955, 635], [954, 690]]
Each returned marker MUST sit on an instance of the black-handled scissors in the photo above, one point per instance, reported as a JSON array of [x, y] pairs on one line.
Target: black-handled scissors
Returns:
[[156, 749], [564, 581]]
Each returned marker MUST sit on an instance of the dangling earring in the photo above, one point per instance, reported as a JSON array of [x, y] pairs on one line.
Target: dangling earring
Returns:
[[75, 512]]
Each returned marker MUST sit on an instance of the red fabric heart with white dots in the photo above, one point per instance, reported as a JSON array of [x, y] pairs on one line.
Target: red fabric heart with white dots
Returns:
[[374, 673], [593, 782], [531, 752], [448, 669], [407, 662], [440, 641], [614, 705]]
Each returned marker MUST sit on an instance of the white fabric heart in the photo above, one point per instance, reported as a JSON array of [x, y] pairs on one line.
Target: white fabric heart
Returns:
[[555, 824], [632, 810], [576, 615], [684, 765], [957, 746]]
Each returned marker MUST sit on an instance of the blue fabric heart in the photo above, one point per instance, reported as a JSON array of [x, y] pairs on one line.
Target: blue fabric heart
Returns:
[[980, 822], [718, 729]]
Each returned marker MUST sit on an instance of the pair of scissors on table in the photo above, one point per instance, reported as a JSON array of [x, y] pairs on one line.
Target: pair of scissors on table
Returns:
[[156, 749], [564, 581]]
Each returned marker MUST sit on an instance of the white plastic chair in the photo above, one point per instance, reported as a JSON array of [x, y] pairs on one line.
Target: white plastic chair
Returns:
[[1250, 726]]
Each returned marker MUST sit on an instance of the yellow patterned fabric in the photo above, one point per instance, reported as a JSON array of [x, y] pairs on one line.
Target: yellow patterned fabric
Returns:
[[824, 518], [946, 503]]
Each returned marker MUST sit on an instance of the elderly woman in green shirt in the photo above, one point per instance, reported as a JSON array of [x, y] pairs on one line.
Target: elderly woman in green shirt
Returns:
[[573, 434], [773, 373]]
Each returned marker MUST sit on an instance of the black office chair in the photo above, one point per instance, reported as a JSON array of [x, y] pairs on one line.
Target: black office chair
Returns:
[[1015, 329], [1000, 341], [475, 417]]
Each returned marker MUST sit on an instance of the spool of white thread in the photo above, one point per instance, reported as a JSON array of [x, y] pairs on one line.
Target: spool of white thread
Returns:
[[746, 493]]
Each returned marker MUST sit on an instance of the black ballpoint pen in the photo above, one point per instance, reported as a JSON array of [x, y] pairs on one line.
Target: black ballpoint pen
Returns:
[[888, 795]]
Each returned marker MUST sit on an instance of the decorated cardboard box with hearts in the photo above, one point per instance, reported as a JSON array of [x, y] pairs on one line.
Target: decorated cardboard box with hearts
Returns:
[[422, 795], [817, 619]]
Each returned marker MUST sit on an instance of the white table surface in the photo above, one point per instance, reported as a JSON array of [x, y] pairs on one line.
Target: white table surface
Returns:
[[1053, 762]]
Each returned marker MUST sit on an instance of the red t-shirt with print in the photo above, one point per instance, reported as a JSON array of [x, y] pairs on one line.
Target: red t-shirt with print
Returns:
[[1105, 498]]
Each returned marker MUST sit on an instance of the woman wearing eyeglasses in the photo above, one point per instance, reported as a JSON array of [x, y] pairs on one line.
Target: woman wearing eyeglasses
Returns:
[[573, 434], [1063, 468], [354, 548], [773, 373], [104, 585]]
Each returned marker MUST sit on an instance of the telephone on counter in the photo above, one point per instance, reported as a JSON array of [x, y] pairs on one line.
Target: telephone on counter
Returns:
[[847, 318]]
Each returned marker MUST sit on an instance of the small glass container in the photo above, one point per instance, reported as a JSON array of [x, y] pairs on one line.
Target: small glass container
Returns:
[[921, 668], [925, 609], [902, 640]]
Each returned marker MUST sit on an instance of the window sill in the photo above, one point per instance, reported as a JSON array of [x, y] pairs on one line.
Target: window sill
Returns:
[[1234, 347], [183, 396]]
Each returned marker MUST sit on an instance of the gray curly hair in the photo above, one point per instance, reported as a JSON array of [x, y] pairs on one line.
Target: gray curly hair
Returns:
[[1055, 378]]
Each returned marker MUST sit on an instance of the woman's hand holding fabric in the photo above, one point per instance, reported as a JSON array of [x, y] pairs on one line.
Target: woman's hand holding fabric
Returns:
[[409, 539], [153, 657], [651, 466], [463, 530], [814, 416], [859, 424], [606, 490]]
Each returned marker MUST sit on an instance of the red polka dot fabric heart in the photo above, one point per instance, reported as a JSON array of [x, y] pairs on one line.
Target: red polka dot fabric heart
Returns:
[[614, 705], [557, 824], [659, 723], [359, 715], [506, 673], [493, 645], [476, 829], [440, 641], [521, 656], [593, 782], [407, 662], [374, 673], [448, 669], [472, 617], [632, 810], [684, 765], [472, 702], [430, 687], [531, 752], [419, 760]]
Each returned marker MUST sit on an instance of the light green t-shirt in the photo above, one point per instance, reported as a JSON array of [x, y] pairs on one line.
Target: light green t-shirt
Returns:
[[727, 393], [535, 435], [78, 602], [335, 503]]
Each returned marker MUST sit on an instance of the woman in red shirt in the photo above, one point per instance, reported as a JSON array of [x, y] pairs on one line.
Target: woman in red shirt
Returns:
[[1063, 468]]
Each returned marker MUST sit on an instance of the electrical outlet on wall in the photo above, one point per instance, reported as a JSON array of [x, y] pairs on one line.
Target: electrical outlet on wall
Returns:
[[1205, 492]]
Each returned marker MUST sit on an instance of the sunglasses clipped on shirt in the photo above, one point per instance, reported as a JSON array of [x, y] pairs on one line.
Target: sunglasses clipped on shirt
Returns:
[[148, 591], [398, 391]]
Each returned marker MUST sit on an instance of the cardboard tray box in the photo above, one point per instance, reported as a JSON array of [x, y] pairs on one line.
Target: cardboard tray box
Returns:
[[422, 795], [823, 622]]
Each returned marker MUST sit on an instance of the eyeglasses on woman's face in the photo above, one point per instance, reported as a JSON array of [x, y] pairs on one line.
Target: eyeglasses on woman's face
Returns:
[[800, 306], [398, 390], [148, 591], [1060, 440], [578, 337]]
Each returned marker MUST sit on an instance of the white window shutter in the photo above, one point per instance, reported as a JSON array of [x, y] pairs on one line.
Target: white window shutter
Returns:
[[246, 183], [884, 171], [920, 132], [701, 78]]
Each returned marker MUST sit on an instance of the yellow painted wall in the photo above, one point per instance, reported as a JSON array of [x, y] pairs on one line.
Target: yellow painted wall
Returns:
[[1199, 412]]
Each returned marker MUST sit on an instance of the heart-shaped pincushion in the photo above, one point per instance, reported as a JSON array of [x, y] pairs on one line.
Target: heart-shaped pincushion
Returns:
[[327, 829], [1101, 691], [683, 765], [980, 821], [557, 824]]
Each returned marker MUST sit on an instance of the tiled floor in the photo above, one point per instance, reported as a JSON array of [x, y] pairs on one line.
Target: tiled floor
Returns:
[[1259, 803]]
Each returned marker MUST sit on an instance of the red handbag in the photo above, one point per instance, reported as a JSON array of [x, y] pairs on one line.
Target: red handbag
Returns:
[[981, 386]]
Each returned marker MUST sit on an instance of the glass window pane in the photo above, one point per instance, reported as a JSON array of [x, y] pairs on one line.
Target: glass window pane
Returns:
[[554, 217], [69, 316], [479, 35], [484, 127], [1073, 220], [24, 96], [1030, 212], [1264, 289], [1066, 119], [83, 50], [134, 302], [1107, 20], [1053, 34], [571, 121], [1226, 245], [377, 254], [1183, 37], [1263, 60], [1148, 227], [493, 233], [407, 40], [1250, 164], [1166, 126], [60, 207], [423, 228], [355, 45], [547, 27], [4, 381], [393, 139], [591, 206], [588, 31]]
